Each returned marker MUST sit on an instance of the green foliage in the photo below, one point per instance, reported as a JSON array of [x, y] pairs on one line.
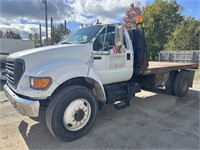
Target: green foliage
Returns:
[[185, 36], [9, 34], [30, 36], [131, 15], [160, 19], [1, 34], [34, 37], [45, 41], [59, 33]]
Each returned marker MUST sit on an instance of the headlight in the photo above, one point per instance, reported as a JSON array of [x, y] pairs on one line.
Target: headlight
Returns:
[[40, 83]]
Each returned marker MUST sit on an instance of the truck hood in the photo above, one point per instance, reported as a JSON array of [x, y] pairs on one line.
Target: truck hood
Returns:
[[65, 49], [52, 55]]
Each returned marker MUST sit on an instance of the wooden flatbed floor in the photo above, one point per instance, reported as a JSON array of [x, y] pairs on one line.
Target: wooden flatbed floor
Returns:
[[156, 67]]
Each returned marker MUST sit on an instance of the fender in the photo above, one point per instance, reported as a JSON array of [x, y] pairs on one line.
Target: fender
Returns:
[[60, 71], [99, 89]]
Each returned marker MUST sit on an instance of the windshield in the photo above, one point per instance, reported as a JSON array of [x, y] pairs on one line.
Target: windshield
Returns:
[[83, 35]]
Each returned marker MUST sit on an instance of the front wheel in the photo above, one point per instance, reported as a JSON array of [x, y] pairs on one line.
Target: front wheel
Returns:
[[71, 113]]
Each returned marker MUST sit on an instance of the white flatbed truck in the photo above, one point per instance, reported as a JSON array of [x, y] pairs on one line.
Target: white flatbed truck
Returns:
[[101, 64]]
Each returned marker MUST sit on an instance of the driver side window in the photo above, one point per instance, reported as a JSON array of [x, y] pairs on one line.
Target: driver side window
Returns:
[[105, 40]]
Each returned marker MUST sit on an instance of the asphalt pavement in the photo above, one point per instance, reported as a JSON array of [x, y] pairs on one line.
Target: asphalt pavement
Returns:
[[154, 120]]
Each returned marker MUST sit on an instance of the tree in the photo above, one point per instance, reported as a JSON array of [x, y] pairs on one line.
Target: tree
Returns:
[[9, 34], [45, 41], [160, 19], [36, 38], [185, 36], [59, 32], [131, 15], [1, 34], [98, 22], [30, 36]]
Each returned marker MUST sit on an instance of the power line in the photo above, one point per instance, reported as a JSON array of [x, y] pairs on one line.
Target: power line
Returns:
[[37, 11], [30, 18]]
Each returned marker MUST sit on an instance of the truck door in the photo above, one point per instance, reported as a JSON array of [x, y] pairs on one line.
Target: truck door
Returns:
[[112, 65]]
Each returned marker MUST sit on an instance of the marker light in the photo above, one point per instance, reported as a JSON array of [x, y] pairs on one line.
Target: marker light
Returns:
[[139, 19], [40, 83]]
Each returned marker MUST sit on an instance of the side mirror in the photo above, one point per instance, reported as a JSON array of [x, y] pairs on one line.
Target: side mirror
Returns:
[[119, 35]]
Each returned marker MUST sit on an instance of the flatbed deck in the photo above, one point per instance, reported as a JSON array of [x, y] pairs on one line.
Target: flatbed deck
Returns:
[[156, 67]]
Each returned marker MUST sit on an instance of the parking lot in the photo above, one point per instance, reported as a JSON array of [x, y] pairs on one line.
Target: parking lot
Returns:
[[153, 121]]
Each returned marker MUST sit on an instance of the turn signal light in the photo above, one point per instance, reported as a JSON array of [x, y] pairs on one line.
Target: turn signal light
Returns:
[[40, 83], [139, 19]]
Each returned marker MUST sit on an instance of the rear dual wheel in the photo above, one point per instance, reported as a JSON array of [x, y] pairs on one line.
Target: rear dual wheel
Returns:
[[71, 113], [178, 83], [169, 85], [181, 83]]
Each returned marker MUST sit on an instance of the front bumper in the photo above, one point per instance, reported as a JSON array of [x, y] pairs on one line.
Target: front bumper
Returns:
[[24, 106]]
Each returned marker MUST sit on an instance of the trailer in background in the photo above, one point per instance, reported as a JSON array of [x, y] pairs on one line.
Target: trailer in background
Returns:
[[8, 46]]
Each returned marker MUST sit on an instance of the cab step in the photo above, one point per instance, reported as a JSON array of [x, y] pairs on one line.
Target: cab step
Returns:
[[121, 104], [120, 94]]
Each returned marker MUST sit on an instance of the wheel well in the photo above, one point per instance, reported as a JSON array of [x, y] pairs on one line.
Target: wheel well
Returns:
[[86, 82], [74, 81]]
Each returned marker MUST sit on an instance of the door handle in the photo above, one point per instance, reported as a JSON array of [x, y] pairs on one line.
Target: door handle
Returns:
[[128, 56], [97, 58]]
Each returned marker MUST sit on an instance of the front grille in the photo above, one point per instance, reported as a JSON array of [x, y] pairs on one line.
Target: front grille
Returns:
[[10, 72], [15, 70]]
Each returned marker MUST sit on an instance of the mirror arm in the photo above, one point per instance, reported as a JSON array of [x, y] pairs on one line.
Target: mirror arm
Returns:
[[104, 40]]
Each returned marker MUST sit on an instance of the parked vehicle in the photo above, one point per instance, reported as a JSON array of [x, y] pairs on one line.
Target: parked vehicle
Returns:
[[8, 46], [101, 64]]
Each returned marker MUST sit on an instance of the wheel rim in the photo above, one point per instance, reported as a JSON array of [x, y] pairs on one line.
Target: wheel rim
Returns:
[[77, 114]]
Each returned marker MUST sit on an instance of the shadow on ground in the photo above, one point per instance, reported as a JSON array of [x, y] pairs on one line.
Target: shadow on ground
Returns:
[[159, 121]]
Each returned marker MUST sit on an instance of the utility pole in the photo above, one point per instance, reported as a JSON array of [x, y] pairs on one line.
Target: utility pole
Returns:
[[45, 2], [53, 34], [52, 31], [65, 27], [40, 36]]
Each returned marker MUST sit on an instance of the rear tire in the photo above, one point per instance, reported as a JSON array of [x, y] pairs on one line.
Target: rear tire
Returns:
[[71, 113], [169, 85], [181, 83]]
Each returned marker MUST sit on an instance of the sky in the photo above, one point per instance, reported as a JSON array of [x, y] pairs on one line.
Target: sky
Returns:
[[24, 16]]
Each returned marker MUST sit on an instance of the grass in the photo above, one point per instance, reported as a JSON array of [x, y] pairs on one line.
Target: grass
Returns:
[[197, 75]]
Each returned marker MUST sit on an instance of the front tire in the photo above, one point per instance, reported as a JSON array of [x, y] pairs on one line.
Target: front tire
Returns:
[[71, 113]]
